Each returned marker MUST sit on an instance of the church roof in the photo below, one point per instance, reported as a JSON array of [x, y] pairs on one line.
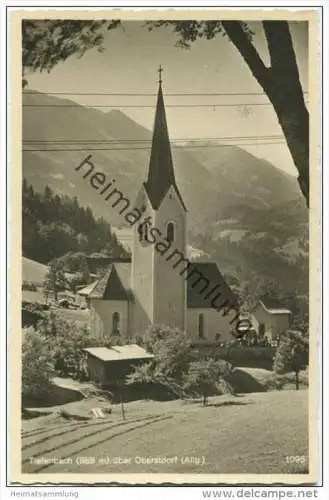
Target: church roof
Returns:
[[196, 296], [161, 170], [115, 284]]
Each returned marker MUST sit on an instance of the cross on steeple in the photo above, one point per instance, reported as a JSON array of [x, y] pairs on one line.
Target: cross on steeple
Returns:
[[161, 173], [160, 72]]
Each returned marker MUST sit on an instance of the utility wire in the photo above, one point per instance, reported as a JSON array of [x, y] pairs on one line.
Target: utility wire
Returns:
[[147, 149], [142, 106], [125, 141], [140, 94]]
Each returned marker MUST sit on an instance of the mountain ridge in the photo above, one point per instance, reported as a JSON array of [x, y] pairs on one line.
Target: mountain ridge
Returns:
[[224, 188]]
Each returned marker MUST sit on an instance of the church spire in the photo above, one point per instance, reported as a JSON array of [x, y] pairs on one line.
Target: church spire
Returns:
[[161, 170]]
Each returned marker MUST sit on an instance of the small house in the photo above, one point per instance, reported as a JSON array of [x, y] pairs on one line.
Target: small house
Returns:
[[271, 317], [110, 366]]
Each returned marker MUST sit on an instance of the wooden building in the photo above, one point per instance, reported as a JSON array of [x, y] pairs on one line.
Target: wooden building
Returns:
[[110, 366]]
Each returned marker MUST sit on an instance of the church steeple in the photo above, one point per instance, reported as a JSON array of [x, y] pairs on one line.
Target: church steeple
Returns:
[[161, 170]]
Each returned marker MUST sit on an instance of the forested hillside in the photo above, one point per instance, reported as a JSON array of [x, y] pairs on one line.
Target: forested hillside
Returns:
[[54, 225]]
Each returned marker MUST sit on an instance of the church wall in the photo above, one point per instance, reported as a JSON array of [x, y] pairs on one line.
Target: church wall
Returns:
[[140, 320], [101, 316], [214, 323], [169, 285], [142, 272]]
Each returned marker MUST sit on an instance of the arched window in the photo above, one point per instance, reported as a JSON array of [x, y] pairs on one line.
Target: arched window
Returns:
[[201, 326], [141, 232], [170, 232], [115, 323]]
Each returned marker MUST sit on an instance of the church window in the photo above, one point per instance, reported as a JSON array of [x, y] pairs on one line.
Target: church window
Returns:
[[141, 232], [170, 232], [115, 323], [201, 326]]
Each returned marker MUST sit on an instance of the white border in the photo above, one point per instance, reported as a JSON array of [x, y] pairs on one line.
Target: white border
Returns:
[[161, 491]]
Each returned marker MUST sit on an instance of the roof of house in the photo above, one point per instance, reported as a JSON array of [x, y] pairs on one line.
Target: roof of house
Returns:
[[85, 291], [273, 306], [207, 274], [119, 353], [161, 170], [271, 302], [115, 284]]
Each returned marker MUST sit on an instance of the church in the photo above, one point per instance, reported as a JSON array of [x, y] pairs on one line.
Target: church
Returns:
[[159, 285]]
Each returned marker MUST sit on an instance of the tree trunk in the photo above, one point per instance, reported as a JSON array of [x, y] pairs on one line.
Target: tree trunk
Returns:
[[122, 408], [286, 94], [204, 400], [297, 380], [281, 84]]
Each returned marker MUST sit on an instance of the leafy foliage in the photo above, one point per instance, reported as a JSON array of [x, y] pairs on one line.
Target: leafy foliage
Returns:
[[55, 280], [66, 341], [291, 354], [46, 42], [172, 355], [142, 374], [29, 285], [204, 376], [75, 262], [37, 366], [189, 31], [171, 349], [149, 376], [54, 225], [174, 366]]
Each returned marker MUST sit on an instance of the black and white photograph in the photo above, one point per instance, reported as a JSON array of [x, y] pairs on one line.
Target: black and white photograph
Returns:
[[166, 186]]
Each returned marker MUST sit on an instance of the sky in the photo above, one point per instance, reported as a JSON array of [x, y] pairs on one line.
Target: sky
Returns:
[[129, 64]]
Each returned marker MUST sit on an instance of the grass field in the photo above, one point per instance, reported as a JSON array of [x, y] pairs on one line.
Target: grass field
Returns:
[[249, 434], [33, 271]]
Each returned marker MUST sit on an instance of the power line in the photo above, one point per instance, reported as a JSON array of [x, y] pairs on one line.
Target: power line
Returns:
[[147, 149], [142, 106], [125, 141], [151, 94]]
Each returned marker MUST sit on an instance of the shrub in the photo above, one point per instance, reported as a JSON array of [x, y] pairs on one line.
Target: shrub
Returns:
[[54, 280], [152, 381], [205, 376], [174, 366], [171, 348], [30, 286], [66, 341], [291, 354], [37, 367]]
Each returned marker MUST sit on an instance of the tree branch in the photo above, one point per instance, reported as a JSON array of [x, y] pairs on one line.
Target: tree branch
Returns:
[[247, 50], [282, 55]]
